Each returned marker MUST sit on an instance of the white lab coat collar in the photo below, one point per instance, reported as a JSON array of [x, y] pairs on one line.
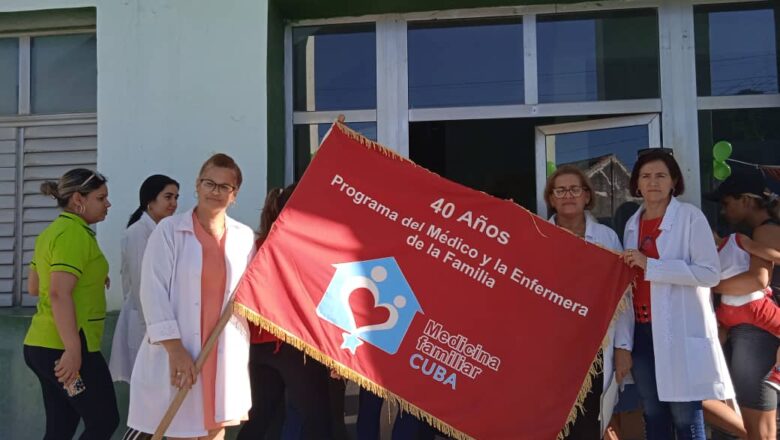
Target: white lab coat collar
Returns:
[[184, 222], [589, 225], [666, 224], [147, 221]]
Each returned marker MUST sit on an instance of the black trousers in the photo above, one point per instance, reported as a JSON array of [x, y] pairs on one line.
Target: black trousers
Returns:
[[96, 405], [283, 380]]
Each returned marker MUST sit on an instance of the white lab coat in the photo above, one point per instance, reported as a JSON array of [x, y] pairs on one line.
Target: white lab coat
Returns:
[[130, 327], [620, 333], [170, 295], [689, 361]]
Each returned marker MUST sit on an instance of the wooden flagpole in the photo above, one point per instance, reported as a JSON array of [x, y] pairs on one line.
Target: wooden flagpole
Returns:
[[211, 342]]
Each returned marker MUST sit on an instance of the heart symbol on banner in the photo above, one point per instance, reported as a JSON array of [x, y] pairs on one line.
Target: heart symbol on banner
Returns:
[[365, 305], [365, 311]]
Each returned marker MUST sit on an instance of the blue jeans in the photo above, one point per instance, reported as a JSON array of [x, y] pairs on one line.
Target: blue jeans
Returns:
[[662, 419]]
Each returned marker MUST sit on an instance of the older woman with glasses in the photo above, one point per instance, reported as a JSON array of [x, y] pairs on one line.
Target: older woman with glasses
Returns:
[[569, 196], [191, 265], [677, 359]]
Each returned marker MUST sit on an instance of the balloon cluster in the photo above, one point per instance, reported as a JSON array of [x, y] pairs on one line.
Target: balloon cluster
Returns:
[[720, 152]]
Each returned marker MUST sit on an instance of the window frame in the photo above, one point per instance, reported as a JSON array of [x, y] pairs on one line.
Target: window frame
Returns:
[[20, 122], [678, 108], [762, 100], [651, 121], [24, 106]]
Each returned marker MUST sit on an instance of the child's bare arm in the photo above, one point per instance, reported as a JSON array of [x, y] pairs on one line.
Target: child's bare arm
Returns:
[[759, 250]]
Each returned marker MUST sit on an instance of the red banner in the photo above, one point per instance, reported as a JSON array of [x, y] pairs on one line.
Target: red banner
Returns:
[[475, 314]]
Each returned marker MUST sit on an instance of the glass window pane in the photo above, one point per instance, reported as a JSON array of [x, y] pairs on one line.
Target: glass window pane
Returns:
[[736, 49], [607, 156], [9, 76], [466, 63], [594, 145], [593, 57], [63, 71], [754, 135], [307, 139], [334, 67]]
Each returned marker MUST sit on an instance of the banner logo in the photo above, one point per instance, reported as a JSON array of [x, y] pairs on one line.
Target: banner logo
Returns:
[[372, 301]]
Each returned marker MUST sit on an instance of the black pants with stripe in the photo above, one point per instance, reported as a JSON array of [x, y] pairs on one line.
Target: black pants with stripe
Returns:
[[96, 405], [132, 434]]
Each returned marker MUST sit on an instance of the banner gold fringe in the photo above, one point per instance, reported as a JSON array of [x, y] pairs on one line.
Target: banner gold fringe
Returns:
[[342, 370], [596, 366], [371, 144]]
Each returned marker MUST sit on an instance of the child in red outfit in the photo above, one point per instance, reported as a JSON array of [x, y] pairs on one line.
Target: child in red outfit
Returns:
[[757, 308]]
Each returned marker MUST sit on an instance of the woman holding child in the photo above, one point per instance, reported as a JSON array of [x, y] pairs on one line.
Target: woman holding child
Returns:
[[747, 308]]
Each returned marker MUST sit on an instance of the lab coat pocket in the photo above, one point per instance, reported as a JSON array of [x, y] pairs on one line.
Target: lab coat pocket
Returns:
[[152, 366], [702, 362]]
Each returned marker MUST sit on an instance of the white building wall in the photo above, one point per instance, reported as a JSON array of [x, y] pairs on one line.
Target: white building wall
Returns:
[[178, 80]]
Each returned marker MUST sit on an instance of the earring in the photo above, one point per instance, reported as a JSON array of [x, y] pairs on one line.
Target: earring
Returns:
[[638, 193], [81, 209]]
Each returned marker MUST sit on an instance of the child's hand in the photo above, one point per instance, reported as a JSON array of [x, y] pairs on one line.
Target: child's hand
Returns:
[[747, 244]]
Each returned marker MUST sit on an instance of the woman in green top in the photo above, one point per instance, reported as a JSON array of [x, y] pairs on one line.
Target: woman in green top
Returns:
[[69, 274]]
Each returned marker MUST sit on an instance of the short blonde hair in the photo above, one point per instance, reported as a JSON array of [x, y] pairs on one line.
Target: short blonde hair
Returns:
[[566, 170]]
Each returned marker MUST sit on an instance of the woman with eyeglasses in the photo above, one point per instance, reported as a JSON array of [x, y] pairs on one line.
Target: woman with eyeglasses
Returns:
[[69, 274], [158, 198], [677, 359], [569, 198], [192, 263]]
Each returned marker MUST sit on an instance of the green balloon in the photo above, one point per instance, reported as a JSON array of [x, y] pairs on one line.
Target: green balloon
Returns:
[[721, 170], [721, 151], [550, 168]]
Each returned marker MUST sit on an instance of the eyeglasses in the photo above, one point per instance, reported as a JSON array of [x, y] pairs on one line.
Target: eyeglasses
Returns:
[[210, 185], [643, 151], [92, 176], [575, 191]]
